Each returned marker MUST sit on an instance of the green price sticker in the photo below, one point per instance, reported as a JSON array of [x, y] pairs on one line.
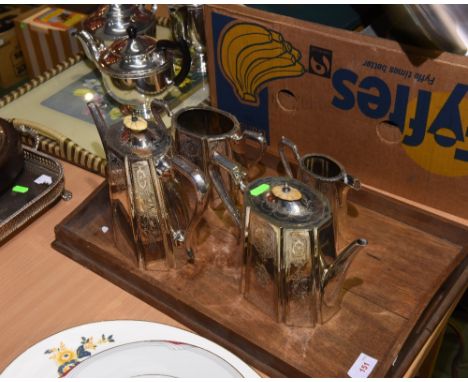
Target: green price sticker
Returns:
[[20, 189], [260, 189]]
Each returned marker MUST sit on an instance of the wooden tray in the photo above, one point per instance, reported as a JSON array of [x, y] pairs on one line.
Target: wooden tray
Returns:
[[397, 289]]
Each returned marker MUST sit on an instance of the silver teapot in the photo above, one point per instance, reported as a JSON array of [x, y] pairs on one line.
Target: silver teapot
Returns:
[[110, 21], [291, 268], [150, 217], [138, 68]]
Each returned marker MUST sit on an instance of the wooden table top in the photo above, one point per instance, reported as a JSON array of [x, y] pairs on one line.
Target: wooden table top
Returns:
[[43, 292]]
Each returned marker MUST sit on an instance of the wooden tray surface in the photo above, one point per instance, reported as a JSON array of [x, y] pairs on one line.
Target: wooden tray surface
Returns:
[[395, 288]]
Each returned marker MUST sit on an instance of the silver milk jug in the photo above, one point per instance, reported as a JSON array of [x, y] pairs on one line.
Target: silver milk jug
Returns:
[[326, 175]]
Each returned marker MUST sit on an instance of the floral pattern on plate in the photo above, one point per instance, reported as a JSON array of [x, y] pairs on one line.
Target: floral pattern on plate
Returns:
[[66, 358]]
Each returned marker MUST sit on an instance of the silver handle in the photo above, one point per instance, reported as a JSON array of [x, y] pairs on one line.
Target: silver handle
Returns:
[[201, 186], [352, 182], [237, 173], [349, 182], [258, 138], [285, 142]]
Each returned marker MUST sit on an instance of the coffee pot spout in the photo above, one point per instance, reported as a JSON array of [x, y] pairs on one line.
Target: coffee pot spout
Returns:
[[91, 47], [100, 123], [340, 265]]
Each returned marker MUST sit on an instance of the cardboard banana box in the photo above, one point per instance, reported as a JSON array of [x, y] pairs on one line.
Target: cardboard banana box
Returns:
[[396, 117]]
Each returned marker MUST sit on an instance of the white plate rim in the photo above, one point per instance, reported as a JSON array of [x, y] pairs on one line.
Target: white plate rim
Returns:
[[113, 348], [158, 331]]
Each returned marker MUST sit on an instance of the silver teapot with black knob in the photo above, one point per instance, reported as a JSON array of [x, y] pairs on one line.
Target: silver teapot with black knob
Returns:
[[150, 206], [137, 69], [110, 21], [292, 270]]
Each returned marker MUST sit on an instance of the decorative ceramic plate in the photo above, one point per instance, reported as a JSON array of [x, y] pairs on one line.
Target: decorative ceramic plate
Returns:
[[127, 349]]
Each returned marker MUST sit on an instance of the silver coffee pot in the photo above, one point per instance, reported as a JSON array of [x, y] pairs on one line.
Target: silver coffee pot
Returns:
[[111, 21], [137, 68], [291, 268], [150, 206], [187, 23]]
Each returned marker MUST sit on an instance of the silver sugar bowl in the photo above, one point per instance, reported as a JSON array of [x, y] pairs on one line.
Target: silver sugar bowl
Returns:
[[291, 268]]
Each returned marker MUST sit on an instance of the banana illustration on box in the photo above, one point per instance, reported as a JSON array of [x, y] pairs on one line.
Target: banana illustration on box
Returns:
[[251, 55]]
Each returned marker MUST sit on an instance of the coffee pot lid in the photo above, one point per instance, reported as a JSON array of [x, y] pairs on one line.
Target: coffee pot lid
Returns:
[[110, 21], [286, 201], [135, 56], [138, 138]]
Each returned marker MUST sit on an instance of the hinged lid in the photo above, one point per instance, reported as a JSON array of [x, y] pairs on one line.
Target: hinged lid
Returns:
[[287, 202], [138, 138], [135, 56], [110, 22]]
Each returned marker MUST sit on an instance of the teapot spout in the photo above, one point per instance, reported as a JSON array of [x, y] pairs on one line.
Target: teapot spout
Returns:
[[99, 122], [91, 47], [342, 262]]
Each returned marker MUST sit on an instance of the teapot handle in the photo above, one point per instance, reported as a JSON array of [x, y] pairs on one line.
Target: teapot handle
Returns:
[[183, 47], [201, 186], [258, 138], [237, 173], [281, 146]]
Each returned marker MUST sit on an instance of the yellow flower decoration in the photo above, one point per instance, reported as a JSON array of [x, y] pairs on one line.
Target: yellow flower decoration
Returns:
[[89, 345], [66, 356], [63, 354]]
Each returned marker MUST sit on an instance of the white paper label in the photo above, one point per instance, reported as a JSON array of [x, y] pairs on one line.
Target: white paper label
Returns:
[[362, 367], [43, 179]]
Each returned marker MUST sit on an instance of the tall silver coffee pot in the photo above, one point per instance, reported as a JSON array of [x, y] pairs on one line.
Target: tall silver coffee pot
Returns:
[[150, 207]]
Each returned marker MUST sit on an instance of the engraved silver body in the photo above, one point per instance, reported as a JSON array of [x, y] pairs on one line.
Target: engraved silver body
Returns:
[[150, 213]]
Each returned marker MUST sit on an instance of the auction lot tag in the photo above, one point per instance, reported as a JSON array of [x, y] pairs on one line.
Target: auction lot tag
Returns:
[[362, 367], [43, 179], [20, 189]]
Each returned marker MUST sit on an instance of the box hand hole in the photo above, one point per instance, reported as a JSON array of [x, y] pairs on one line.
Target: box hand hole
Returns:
[[286, 100], [389, 132]]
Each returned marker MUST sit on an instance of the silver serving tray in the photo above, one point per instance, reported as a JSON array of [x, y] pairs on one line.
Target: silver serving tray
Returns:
[[17, 210]]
